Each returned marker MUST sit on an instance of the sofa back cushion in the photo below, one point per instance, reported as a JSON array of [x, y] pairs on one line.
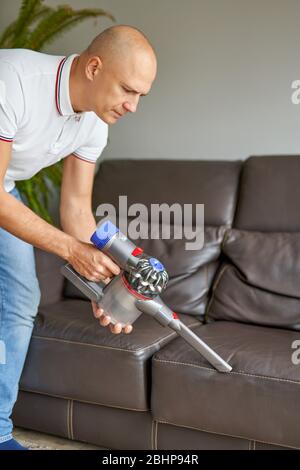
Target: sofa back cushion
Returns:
[[269, 194], [260, 281], [212, 183]]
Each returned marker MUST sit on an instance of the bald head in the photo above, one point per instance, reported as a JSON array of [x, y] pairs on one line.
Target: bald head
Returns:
[[110, 76], [120, 42]]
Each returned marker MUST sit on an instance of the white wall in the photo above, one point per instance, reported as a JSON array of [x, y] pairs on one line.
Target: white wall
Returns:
[[224, 79]]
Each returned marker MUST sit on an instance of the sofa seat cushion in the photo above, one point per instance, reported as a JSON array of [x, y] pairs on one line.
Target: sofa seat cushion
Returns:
[[72, 356], [258, 400]]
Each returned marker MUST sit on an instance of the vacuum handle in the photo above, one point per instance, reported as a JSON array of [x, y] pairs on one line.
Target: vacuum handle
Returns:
[[93, 290], [115, 244], [210, 355], [157, 309]]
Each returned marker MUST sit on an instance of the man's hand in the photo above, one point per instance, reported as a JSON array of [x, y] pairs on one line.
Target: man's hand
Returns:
[[105, 321], [90, 262]]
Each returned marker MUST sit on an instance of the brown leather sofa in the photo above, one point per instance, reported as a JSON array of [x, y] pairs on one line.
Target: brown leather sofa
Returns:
[[240, 293]]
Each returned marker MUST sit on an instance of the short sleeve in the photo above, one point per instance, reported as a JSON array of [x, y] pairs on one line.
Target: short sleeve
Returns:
[[11, 101], [96, 141]]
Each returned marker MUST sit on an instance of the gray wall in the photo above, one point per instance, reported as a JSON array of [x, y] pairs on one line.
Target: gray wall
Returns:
[[223, 89]]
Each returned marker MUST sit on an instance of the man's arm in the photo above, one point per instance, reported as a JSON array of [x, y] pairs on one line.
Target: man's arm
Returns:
[[76, 214], [19, 220]]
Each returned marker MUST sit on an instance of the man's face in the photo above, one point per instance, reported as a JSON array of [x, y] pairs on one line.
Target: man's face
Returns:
[[117, 87]]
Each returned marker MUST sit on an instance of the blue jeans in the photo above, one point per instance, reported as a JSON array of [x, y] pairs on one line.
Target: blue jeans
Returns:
[[19, 300]]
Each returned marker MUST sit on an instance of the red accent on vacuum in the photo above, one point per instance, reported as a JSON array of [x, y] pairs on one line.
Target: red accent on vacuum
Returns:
[[137, 251]]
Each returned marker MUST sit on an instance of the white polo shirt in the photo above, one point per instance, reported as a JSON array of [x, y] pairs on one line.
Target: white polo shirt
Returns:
[[36, 114]]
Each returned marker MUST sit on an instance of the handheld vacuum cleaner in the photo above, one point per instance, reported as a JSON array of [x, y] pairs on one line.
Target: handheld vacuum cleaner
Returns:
[[136, 289]]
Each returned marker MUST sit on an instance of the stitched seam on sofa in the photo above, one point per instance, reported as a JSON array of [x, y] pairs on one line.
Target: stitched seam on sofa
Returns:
[[263, 377], [152, 425], [71, 420], [217, 281], [81, 401], [162, 421], [215, 285], [100, 346], [251, 445], [68, 419], [152, 434], [70, 404], [156, 435]]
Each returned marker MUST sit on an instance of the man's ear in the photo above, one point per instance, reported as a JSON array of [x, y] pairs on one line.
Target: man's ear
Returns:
[[93, 67]]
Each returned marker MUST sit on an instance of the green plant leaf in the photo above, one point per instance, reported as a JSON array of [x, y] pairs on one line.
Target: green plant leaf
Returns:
[[37, 189], [7, 35], [29, 192], [27, 11], [54, 174], [58, 22]]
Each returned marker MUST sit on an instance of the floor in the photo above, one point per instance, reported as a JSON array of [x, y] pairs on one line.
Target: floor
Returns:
[[39, 441]]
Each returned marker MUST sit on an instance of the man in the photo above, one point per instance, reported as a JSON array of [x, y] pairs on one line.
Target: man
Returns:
[[53, 107]]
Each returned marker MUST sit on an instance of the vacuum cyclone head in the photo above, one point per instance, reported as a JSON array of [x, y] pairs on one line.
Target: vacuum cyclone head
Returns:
[[144, 274], [148, 278]]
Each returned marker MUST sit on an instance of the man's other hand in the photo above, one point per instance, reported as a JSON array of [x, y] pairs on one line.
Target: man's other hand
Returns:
[[105, 321]]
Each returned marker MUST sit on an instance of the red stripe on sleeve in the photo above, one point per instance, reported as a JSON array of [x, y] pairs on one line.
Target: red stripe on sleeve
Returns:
[[83, 159]]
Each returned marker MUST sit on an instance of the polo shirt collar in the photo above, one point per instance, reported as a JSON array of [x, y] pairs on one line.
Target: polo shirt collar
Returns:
[[62, 86]]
